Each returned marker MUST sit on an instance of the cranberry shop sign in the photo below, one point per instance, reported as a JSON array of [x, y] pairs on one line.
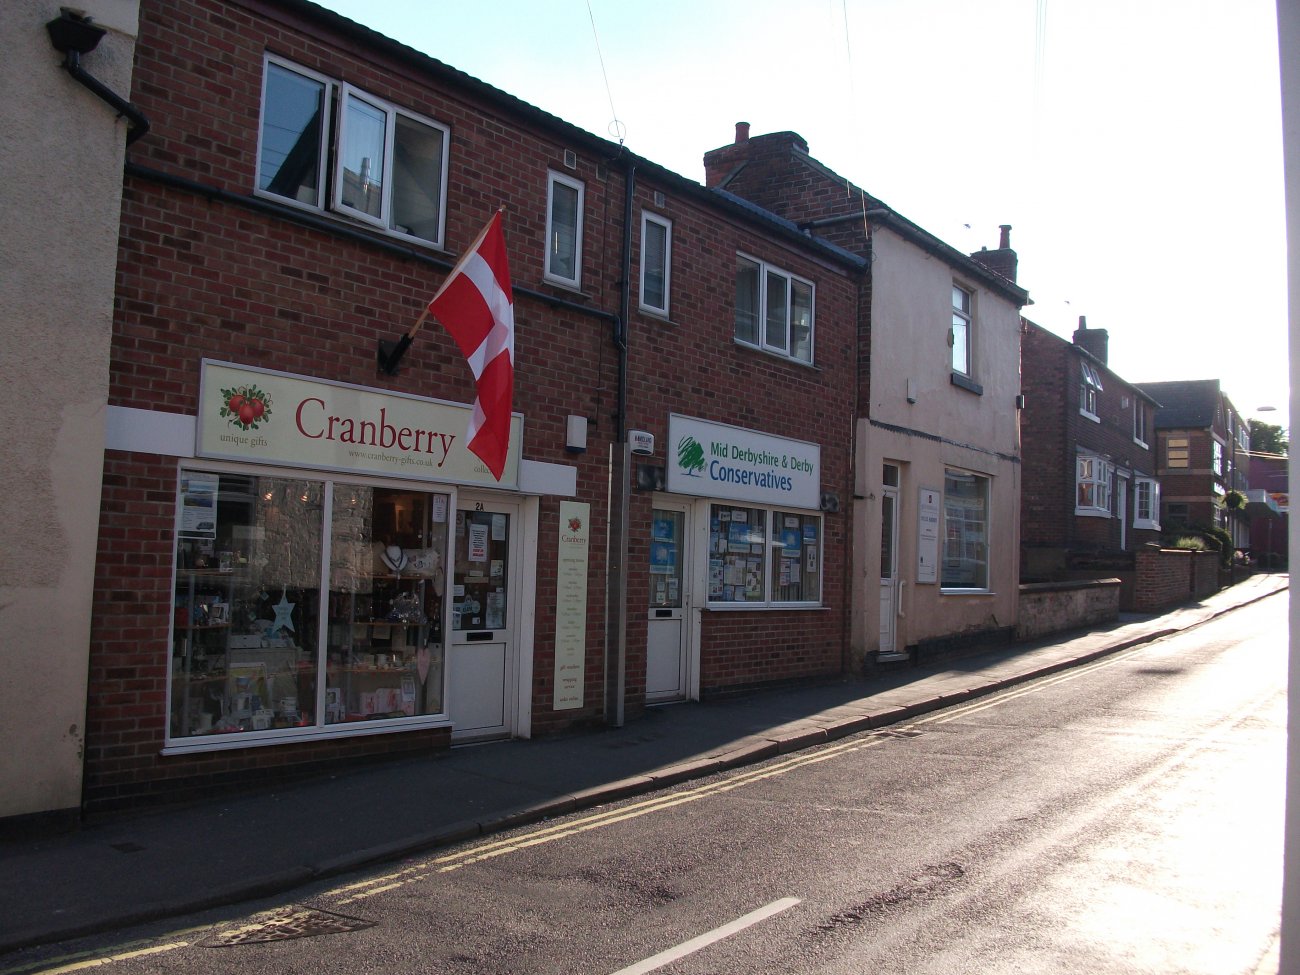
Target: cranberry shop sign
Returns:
[[265, 417], [713, 460]]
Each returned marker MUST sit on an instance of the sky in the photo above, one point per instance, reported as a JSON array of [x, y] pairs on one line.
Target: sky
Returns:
[[1133, 145]]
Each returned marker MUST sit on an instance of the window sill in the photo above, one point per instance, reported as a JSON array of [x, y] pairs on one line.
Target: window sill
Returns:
[[966, 383], [779, 357], [765, 607], [1089, 416], [288, 736], [565, 284], [966, 592], [347, 222], [1153, 526], [1092, 513]]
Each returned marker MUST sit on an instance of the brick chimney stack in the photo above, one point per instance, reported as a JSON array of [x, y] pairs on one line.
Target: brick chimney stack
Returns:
[[1002, 261], [742, 132], [1095, 341]]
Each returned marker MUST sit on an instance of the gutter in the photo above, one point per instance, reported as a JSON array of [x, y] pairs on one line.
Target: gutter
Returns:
[[74, 36]]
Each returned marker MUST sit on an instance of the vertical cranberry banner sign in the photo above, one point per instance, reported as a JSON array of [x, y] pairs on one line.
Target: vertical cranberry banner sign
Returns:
[[571, 605]]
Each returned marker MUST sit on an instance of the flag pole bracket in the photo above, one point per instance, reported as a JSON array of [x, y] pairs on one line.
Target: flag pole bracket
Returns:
[[390, 354]]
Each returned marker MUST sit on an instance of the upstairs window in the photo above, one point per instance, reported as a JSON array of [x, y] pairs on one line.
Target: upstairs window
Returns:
[[1089, 387], [656, 262], [1218, 458], [564, 201], [291, 148], [774, 310], [390, 165], [1092, 486], [1140, 431], [1178, 452], [959, 337]]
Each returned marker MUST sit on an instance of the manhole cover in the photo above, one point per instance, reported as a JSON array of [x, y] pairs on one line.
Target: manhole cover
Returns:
[[285, 924]]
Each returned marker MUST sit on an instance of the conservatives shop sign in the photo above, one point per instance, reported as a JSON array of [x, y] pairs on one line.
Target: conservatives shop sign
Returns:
[[713, 460]]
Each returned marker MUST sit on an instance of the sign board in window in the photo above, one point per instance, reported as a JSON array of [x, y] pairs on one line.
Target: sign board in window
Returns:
[[927, 536]]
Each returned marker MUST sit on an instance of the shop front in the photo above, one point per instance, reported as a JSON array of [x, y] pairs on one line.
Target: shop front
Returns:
[[343, 567], [737, 551]]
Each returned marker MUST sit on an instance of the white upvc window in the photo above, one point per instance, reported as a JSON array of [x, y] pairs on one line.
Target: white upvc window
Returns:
[[1141, 432], [1089, 387], [965, 532], [761, 557], [1146, 505], [774, 309], [390, 164], [390, 169], [656, 262], [1218, 457], [1092, 486], [960, 336], [293, 139], [564, 207]]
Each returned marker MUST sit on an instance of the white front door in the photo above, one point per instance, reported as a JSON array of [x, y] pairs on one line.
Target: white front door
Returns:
[[889, 582], [668, 631], [1121, 509], [483, 664]]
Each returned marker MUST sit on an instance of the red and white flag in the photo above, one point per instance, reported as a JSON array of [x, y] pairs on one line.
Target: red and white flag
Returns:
[[475, 304]]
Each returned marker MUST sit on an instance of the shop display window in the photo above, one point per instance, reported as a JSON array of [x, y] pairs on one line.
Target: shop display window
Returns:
[[796, 557], [257, 649], [750, 565]]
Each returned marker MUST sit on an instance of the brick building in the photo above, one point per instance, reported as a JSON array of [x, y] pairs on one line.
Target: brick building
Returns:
[[299, 564], [1091, 495], [935, 427], [1202, 453]]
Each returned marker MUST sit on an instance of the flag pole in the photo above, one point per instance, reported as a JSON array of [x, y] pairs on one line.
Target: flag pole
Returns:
[[390, 353]]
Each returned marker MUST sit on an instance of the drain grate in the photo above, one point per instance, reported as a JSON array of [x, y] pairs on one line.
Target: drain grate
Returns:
[[286, 924]]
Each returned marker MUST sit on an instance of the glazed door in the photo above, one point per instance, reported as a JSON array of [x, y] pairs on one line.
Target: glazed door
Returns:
[[484, 619], [889, 581], [668, 630]]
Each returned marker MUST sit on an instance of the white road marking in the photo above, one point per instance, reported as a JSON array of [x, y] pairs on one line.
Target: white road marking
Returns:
[[709, 937]]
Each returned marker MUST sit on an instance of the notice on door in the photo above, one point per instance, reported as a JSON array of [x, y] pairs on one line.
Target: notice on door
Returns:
[[571, 605]]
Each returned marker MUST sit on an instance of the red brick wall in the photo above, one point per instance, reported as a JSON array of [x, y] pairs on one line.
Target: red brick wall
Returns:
[[1168, 577], [205, 277], [1053, 433]]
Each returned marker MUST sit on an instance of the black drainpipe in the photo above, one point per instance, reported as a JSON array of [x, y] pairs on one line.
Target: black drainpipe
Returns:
[[74, 36], [621, 484]]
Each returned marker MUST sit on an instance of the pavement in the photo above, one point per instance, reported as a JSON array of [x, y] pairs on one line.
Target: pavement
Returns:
[[129, 870]]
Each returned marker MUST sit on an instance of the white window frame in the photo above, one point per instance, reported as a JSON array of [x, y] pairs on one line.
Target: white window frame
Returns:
[[1141, 429], [663, 222], [963, 319], [334, 138], [386, 220], [1216, 462], [1093, 472], [1146, 515], [766, 270], [552, 179], [1089, 388], [322, 158], [961, 533], [772, 528]]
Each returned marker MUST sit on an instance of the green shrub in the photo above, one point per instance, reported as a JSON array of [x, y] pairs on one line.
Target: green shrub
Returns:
[[1190, 543]]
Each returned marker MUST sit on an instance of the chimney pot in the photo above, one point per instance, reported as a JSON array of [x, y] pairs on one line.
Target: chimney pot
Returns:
[[1006, 235], [1083, 322], [742, 132]]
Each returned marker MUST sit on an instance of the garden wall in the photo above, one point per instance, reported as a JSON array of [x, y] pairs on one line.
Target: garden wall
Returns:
[[1050, 607]]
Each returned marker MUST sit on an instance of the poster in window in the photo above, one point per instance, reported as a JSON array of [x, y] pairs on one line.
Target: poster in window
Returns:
[[496, 611], [663, 558], [478, 543], [810, 559], [199, 506], [498, 528], [715, 578], [738, 537], [790, 543], [438, 509], [664, 530]]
